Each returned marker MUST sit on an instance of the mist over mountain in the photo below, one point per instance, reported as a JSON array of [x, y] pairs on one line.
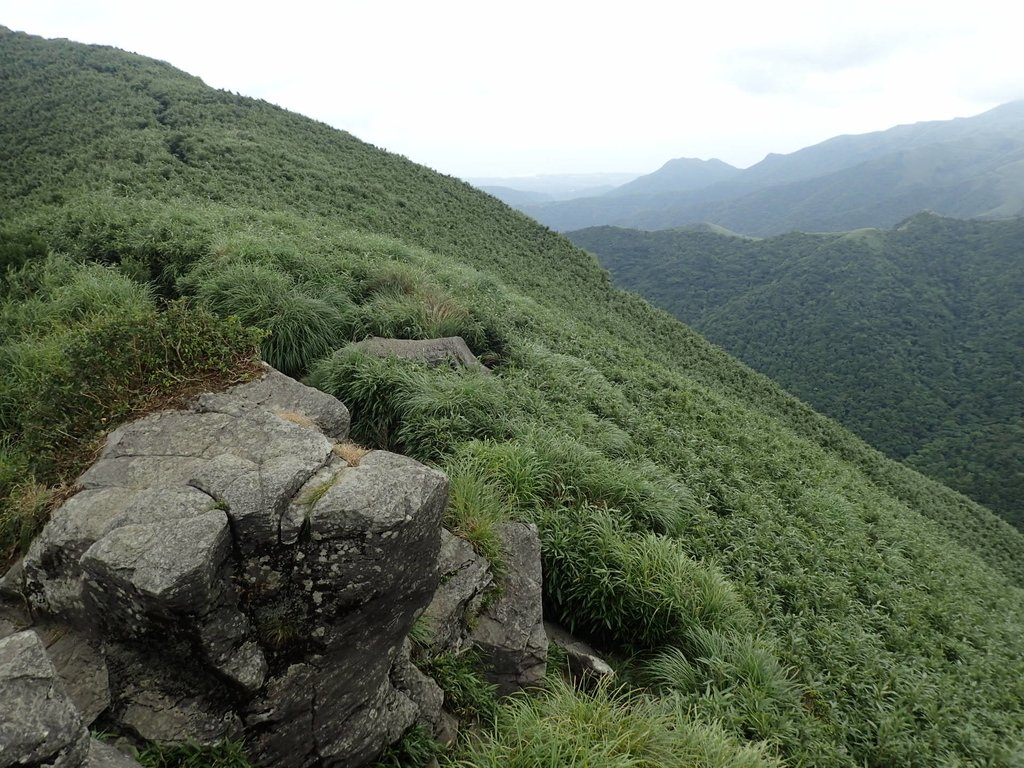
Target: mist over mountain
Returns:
[[912, 337], [967, 168], [772, 590], [550, 187]]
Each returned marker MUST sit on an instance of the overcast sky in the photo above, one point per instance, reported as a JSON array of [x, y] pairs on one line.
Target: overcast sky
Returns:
[[520, 88]]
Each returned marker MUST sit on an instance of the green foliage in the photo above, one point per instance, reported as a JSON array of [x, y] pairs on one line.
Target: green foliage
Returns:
[[425, 412], [791, 594], [565, 727], [85, 348], [473, 512], [466, 693], [636, 591], [225, 754], [910, 337], [415, 749], [17, 248]]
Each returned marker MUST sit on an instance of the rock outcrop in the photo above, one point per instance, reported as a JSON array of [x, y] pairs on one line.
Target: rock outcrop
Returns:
[[586, 667], [235, 576], [451, 350], [465, 580], [39, 722], [510, 629], [224, 572], [40, 725]]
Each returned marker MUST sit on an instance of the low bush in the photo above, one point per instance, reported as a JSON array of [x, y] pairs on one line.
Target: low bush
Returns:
[[565, 727], [87, 350]]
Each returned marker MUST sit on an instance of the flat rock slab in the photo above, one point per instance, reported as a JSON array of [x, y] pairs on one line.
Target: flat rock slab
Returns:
[[159, 569], [451, 350], [287, 398]]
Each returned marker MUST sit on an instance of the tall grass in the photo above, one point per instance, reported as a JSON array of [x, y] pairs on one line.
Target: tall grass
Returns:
[[611, 729]]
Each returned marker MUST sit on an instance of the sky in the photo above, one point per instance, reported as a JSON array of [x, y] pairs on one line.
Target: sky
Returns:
[[483, 89]]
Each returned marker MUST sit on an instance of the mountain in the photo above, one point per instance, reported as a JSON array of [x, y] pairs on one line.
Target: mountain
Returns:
[[912, 337], [967, 168], [680, 175], [773, 590]]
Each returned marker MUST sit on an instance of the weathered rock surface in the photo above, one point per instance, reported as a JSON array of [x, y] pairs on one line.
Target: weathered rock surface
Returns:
[[237, 576], [510, 630], [451, 350], [39, 725], [80, 663], [585, 665], [465, 579], [105, 756]]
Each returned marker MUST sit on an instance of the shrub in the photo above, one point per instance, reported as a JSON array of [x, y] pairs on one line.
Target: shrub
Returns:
[[466, 693], [90, 370], [226, 754], [301, 329], [405, 406], [473, 511], [415, 749], [638, 592], [565, 727]]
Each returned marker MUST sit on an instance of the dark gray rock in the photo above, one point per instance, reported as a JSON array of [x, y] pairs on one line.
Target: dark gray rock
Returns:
[[137, 573], [242, 577], [585, 665], [12, 583], [39, 725], [510, 630], [159, 693], [154, 715], [451, 350], [366, 571], [81, 664], [421, 690], [465, 578], [106, 756]]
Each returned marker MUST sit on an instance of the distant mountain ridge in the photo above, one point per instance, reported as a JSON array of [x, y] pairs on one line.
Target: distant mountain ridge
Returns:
[[966, 168], [912, 337], [680, 175]]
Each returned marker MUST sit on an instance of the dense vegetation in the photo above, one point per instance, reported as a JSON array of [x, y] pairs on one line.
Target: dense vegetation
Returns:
[[969, 167], [780, 592], [913, 337]]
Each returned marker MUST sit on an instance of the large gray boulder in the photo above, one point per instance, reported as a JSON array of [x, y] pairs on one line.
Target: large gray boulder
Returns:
[[450, 350], [39, 725], [510, 629], [242, 579]]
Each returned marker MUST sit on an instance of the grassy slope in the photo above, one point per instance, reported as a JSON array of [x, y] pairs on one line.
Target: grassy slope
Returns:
[[780, 581], [912, 337]]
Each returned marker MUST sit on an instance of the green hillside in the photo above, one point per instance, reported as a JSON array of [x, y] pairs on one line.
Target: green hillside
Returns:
[[777, 592], [912, 337]]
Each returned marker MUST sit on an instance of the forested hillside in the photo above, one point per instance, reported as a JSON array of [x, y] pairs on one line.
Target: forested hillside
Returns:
[[968, 168], [912, 337], [776, 591]]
